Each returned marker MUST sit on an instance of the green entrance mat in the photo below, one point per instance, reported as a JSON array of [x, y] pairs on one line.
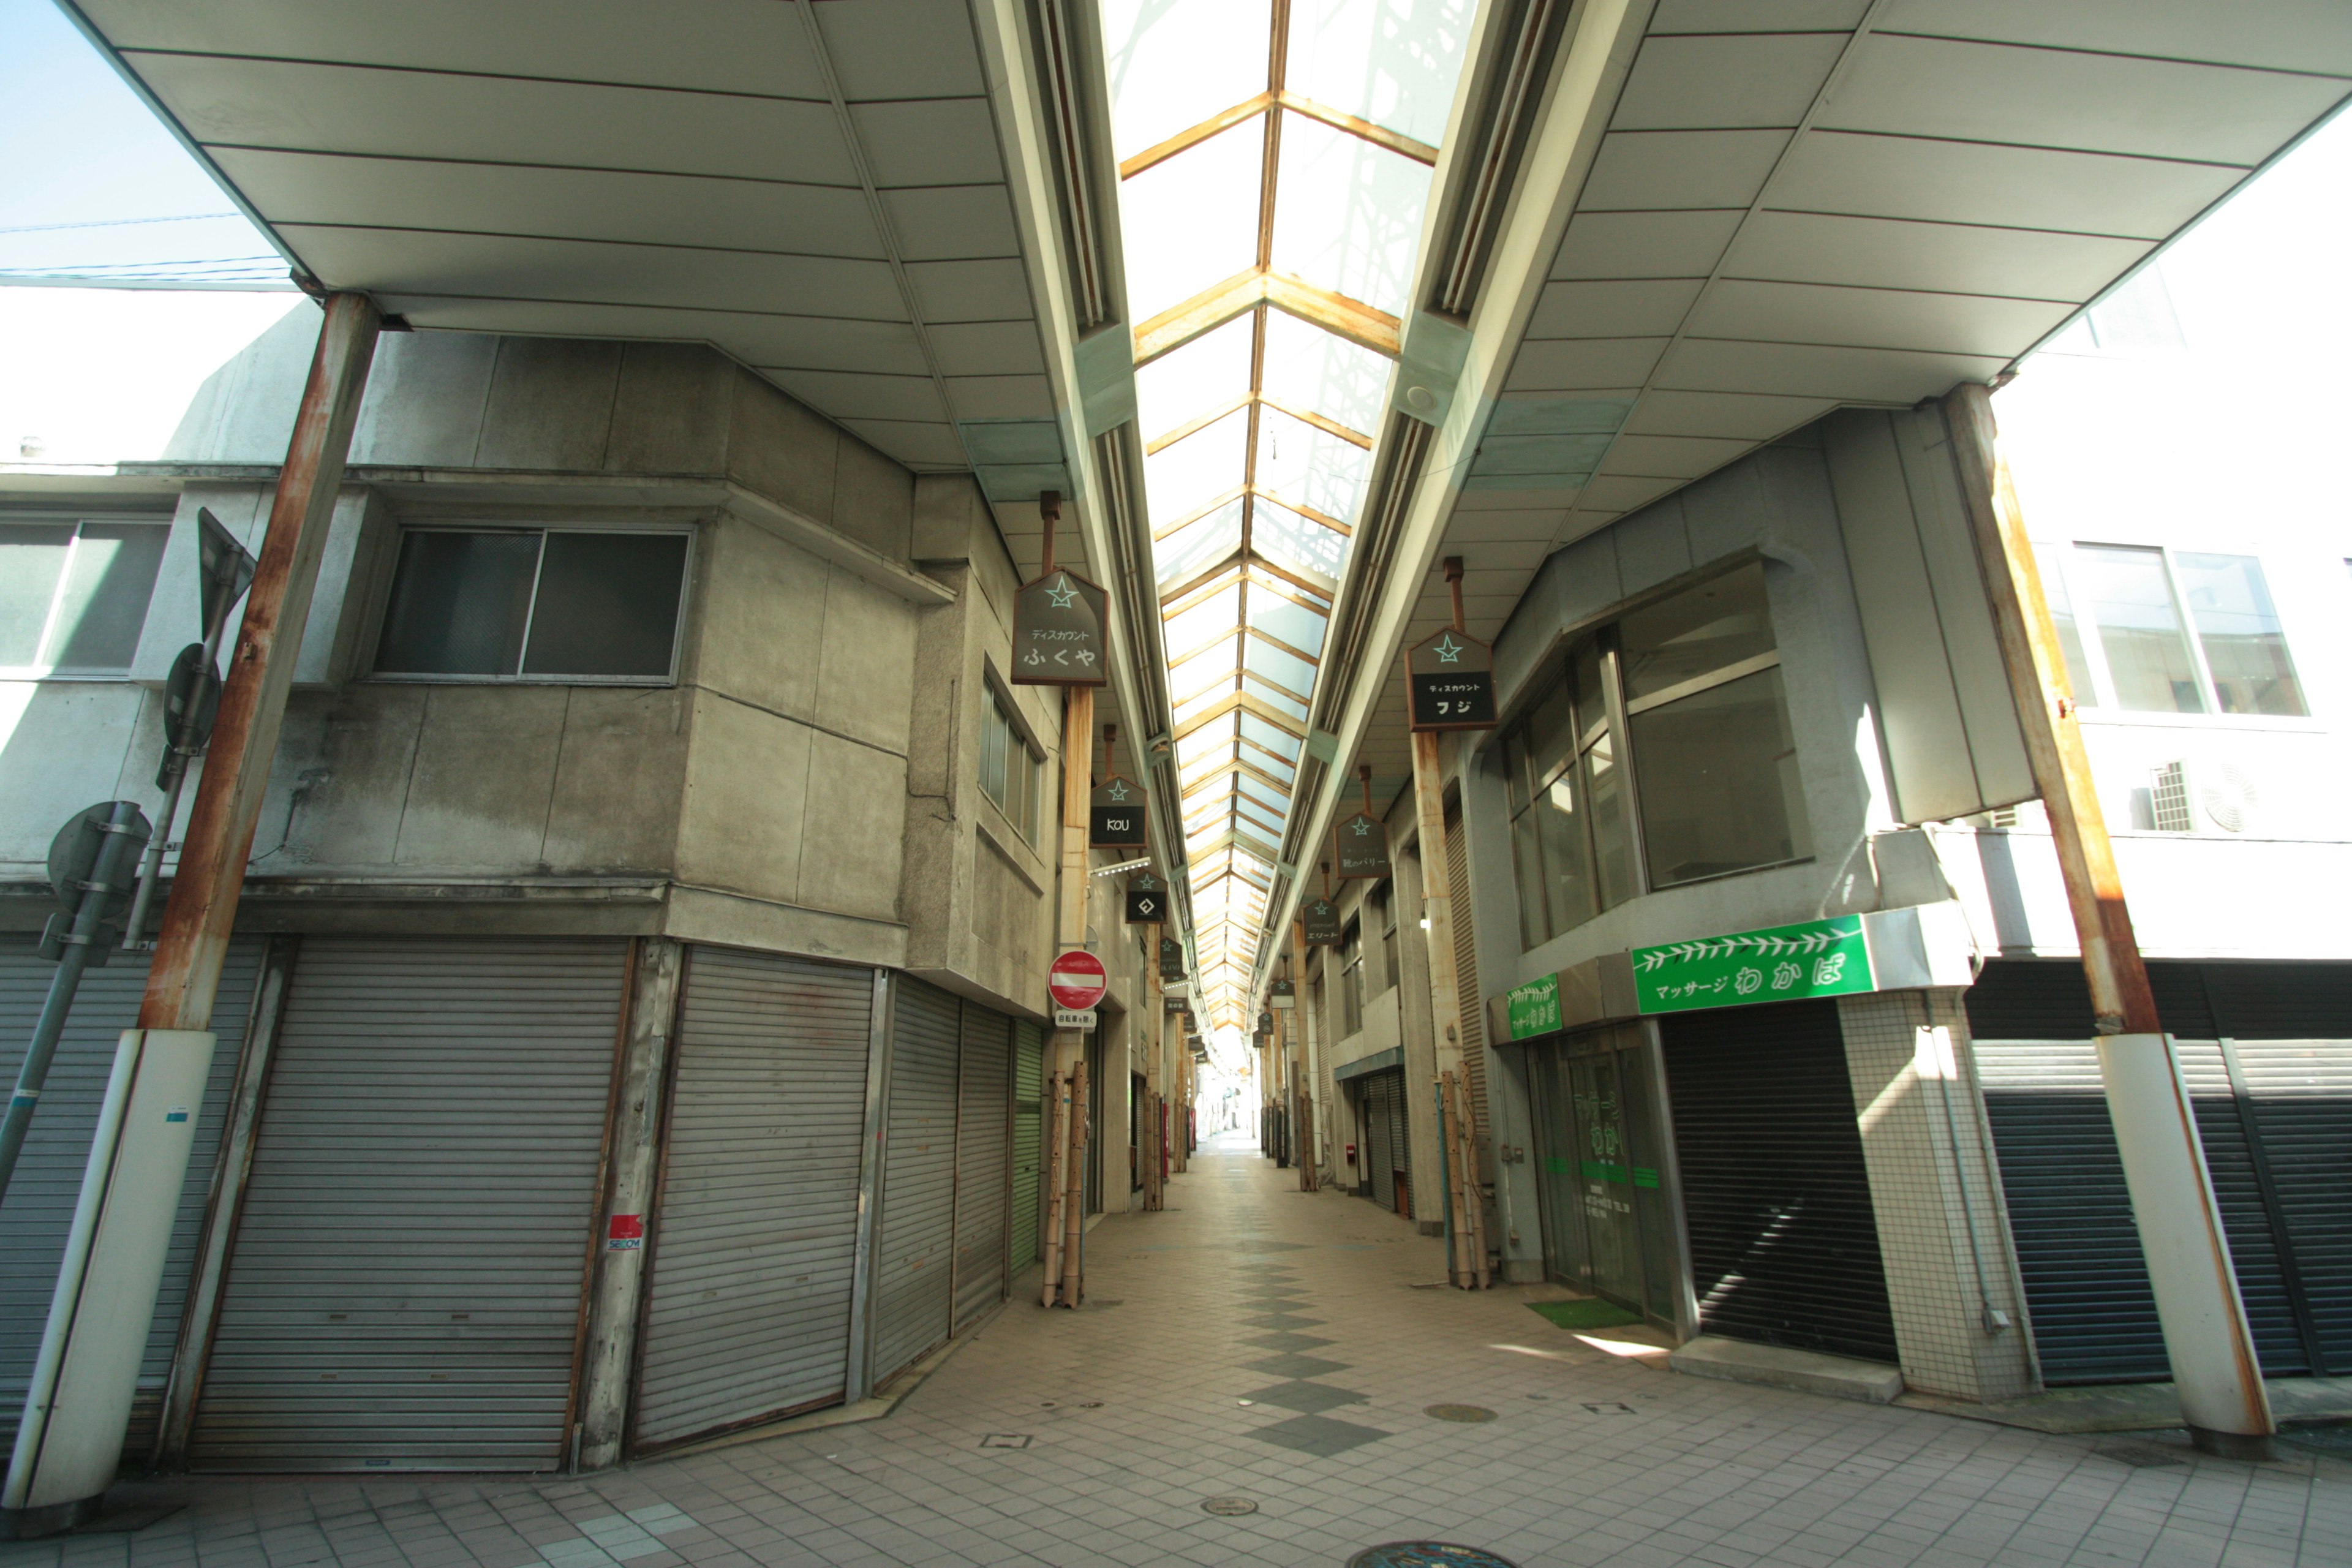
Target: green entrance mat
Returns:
[[1591, 1314]]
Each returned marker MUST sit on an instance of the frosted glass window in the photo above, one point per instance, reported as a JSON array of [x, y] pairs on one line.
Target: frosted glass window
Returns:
[[2070, 631], [2244, 647], [74, 597], [32, 561], [2130, 602]]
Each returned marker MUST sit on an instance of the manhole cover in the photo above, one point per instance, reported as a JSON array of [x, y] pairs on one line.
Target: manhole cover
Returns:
[[1231, 1507], [1427, 1554], [1453, 1412]]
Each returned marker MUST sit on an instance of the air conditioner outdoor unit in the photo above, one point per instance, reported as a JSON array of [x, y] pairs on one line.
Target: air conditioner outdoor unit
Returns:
[[2207, 797]]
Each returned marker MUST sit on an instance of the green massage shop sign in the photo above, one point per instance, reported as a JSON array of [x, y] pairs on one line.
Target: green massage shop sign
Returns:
[[1778, 963]]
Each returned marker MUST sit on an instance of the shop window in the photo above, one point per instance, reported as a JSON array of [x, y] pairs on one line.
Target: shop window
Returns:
[[2176, 631], [74, 594], [1352, 978], [1011, 773], [1385, 912], [1677, 709], [577, 605]]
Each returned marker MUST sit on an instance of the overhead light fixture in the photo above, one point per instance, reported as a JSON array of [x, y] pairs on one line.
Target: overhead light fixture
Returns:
[[1122, 866]]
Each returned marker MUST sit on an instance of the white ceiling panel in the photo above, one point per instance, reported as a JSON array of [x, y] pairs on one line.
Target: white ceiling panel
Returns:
[[425, 114], [727, 46], [1756, 15], [1001, 397], [1675, 456], [951, 223], [987, 348], [1852, 375], [556, 203], [1625, 308], [1876, 253], [1524, 503], [928, 141], [1581, 363], [1743, 80], [1500, 530], [2014, 188], [815, 342], [970, 291], [2054, 98], [1645, 244], [415, 261], [1742, 416], [849, 396], [2284, 35], [902, 48], [1874, 318], [1619, 493], [1639, 171], [916, 444]]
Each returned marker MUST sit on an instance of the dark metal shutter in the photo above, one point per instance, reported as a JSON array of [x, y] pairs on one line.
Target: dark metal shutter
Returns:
[[747, 1313], [41, 1196], [1783, 1242], [2301, 1092], [1380, 1161], [1473, 1006], [1401, 1136], [406, 1285], [917, 1177], [984, 1107], [1028, 1139]]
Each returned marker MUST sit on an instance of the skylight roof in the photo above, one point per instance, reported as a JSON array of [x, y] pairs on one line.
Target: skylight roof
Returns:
[[1271, 203]]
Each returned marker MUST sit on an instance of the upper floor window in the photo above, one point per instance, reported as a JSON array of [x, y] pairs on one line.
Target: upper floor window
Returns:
[[1010, 772], [2171, 631], [570, 605], [1385, 906], [1668, 731], [74, 593], [1352, 978]]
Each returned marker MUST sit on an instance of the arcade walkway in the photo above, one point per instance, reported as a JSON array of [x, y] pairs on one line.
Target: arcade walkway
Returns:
[[1282, 1349]]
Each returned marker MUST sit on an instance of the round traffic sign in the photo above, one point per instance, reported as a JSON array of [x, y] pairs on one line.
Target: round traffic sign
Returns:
[[1077, 980]]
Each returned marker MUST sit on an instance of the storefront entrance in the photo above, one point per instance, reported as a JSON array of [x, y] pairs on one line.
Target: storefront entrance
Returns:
[[1608, 1208]]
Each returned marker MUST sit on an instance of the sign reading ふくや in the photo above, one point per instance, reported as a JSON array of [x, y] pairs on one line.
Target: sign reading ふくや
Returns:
[[1058, 625], [1778, 963]]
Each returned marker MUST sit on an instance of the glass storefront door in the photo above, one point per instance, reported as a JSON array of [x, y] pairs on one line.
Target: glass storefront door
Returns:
[[1608, 1220]]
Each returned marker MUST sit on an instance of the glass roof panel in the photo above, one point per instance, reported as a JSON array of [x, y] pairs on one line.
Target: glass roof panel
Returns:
[[1194, 472], [1200, 544], [1398, 71], [1281, 701], [1174, 63], [1204, 621], [1282, 669], [1284, 537], [1280, 742], [1186, 383], [1347, 214], [1286, 622], [1314, 467], [1191, 221], [1309, 368]]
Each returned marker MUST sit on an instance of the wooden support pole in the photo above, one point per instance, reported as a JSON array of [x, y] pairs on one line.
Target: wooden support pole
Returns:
[[1469, 1227], [1069, 931], [193, 940], [1154, 1149], [1074, 1198], [2198, 1303], [1057, 1143]]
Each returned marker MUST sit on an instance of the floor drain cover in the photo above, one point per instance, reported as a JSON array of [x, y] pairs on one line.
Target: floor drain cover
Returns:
[[1457, 1412], [1231, 1507], [1427, 1554]]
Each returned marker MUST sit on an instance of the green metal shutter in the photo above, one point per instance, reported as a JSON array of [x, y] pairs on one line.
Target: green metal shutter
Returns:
[[40, 1203], [1028, 1139], [411, 1256], [747, 1313]]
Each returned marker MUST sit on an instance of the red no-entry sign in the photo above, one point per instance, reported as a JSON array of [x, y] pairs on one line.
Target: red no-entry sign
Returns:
[[1078, 981]]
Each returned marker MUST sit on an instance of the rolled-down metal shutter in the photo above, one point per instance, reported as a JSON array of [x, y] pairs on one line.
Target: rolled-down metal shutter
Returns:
[[983, 1104], [915, 1277], [406, 1285], [1028, 1139], [747, 1313], [40, 1204], [1384, 1135], [1783, 1240]]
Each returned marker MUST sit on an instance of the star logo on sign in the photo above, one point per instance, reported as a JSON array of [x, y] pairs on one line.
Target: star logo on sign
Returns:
[[1119, 791], [1061, 596], [1449, 652], [1363, 829]]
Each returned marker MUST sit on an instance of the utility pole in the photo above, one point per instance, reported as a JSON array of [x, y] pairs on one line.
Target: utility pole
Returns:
[[2214, 1368], [70, 1437]]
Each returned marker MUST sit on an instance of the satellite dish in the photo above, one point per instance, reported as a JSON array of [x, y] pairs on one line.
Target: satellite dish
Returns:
[[2229, 798]]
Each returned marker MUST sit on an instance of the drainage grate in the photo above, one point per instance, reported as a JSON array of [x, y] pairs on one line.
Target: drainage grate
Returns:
[[1459, 1412], [1427, 1554], [1230, 1507], [1005, 1440]]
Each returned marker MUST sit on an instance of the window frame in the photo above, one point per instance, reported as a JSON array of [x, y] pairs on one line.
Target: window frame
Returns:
[[2101, 705], [1006, 709], [77, 521], [401, 528], [1351, 976]]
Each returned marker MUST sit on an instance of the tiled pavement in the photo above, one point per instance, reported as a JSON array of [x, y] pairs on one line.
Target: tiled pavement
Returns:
[[1261, 1344]]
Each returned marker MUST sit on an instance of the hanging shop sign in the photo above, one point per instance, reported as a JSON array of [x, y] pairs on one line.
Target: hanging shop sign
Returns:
[[1146, 900], [1077, 980], [1283, 996], [1453, 679], [1265, 1022], [1321, 919], [1058, 625], [1362, 843], [1778, 963], [1115, 817], [1171, 958], [1532, 1009], [1174, 1003]]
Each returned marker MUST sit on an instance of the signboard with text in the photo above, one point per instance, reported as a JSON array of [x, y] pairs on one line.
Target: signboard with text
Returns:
[[1283, 994], [1146, 900], [1534, 1008], [1114, 819], [1778, 963], [1058, 632], [1362, 846], [1452, 678], [1321, 919], [1171, 958]]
